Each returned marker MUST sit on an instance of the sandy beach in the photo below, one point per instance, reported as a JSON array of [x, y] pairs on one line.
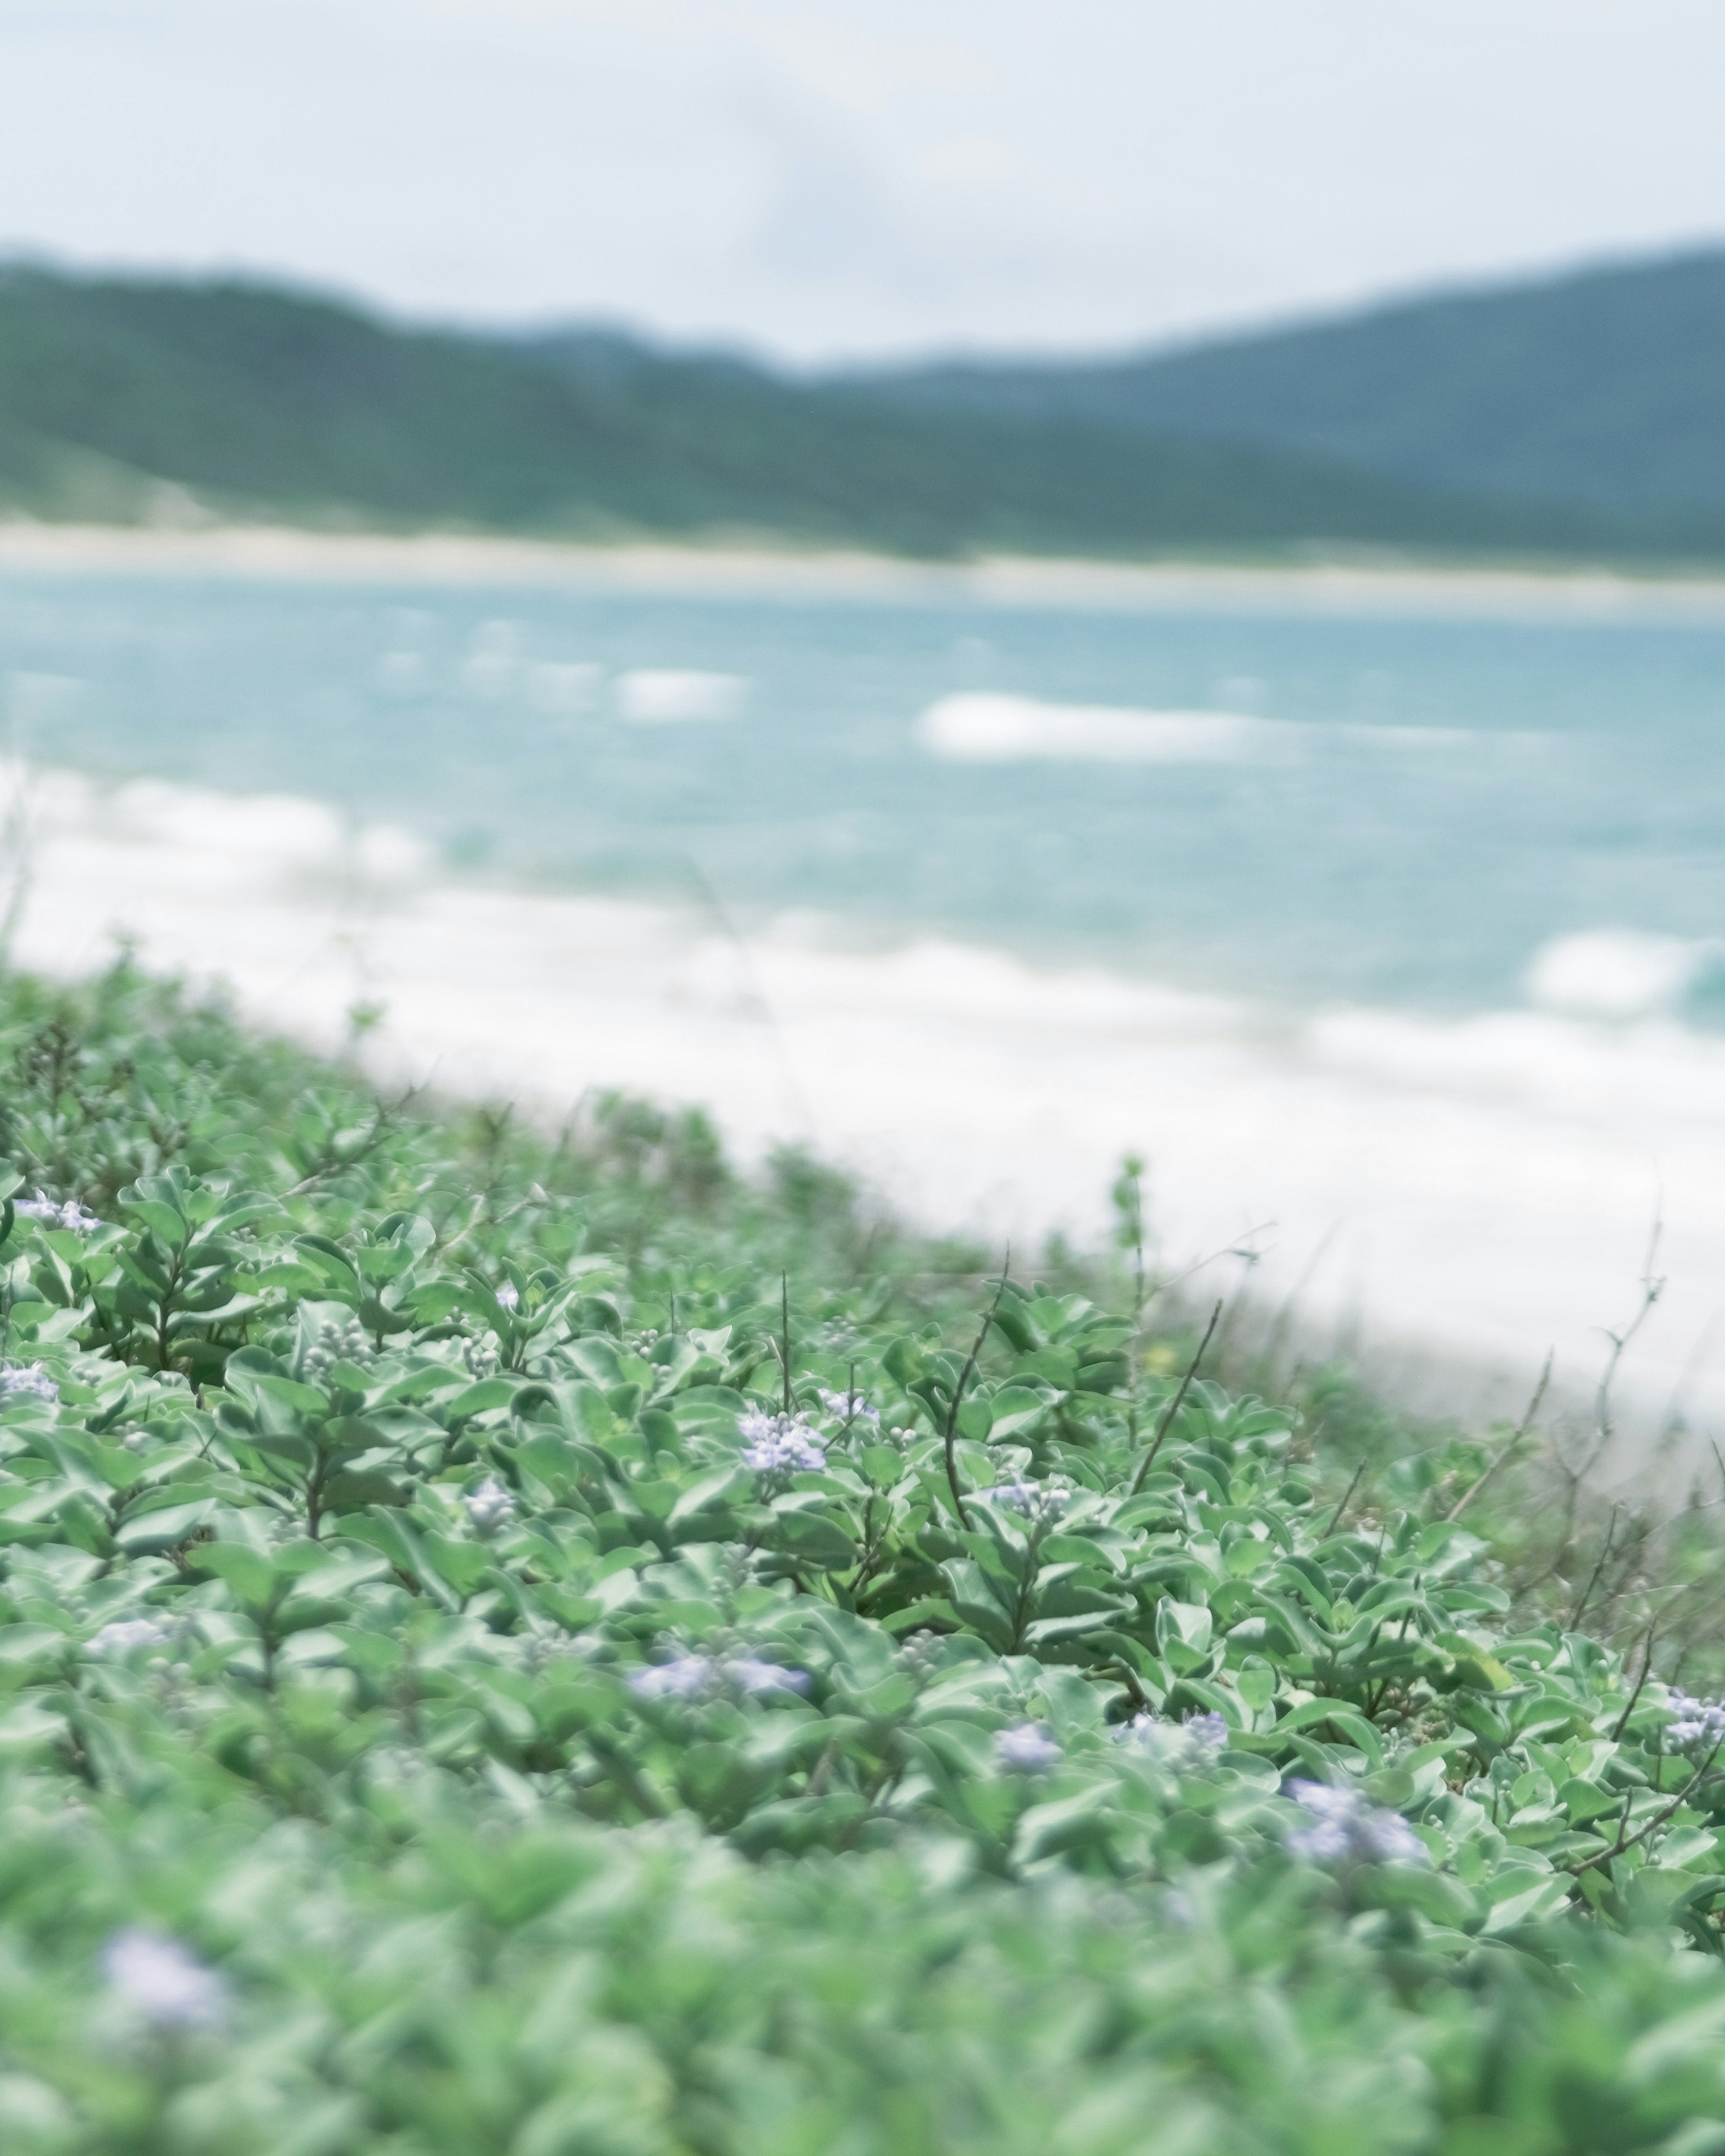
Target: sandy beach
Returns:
[[1471, 1191], [1321, 580], [1479, 1190]]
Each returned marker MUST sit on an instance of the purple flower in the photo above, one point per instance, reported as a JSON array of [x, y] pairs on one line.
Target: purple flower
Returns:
[[1026, 1750], [127, 1635], [753, 1674], [688, 1676], [1193, 1741], [1699, 1725], [849, 1407], [1346, 1828], [31, 1382], [684, 1678], [1036, 1501], [780, 1445], [509, 1297], [44, 1209], [163, 1983]]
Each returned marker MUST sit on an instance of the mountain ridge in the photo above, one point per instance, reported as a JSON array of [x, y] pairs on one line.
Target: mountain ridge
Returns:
[[1602, 385], [253, 397]]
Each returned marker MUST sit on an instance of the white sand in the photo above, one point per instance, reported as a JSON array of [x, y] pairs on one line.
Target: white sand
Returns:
[[1351, 583], [1485, 1188]]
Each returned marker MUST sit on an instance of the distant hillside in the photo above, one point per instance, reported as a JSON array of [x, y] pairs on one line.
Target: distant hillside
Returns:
[[120, 397], [1604, 389]]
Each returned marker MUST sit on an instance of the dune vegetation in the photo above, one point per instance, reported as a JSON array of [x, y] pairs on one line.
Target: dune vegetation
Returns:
[[539, 1643]]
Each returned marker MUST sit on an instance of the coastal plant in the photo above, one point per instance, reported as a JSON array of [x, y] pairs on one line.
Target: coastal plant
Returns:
[[538, 1644]]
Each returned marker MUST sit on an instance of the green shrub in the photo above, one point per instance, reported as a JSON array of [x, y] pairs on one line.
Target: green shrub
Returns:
[[529, 1645]]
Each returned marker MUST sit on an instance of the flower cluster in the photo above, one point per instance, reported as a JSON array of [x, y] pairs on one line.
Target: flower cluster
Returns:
[[54, 1215], [127, 1634], [1029, 1749], [509, 1297], [28, 1382], [780, 1445], [1345, 1828], [490, 1507], [1037, 1501], [160, 1982], [849, 1407], [1194, 1740], [689, 1676], [1699, 1725]]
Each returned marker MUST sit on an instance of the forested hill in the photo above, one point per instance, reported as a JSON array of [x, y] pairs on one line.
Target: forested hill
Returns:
[[1604, 389], [130, 399]]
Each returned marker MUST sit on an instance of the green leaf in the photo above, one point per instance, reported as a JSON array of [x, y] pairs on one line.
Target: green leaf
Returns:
[[1348, 1720], [248, 1572]]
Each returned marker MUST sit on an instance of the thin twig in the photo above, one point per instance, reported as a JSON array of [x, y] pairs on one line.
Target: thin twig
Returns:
[[1659, 1818], [1341, 1508], [784, 1335], [1652, 1288], [1594, 1577], [1132, 1205], [1174, 1405], [1521, 1428], [964, 1378], [1634, 1696], [1605, 1428]]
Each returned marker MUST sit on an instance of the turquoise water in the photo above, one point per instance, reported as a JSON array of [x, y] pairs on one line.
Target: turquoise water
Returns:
[[1465, 789]]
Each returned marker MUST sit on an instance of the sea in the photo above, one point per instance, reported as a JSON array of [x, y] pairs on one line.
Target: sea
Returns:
[[1420, 811], [1431, 871]]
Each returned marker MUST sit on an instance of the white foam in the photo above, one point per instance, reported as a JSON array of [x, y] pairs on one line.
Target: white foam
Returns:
[[657, 696], [974, 727], [1492, 1181], [979, 727], [281, 829], [263, 842], [385, 854], [1618, 972]]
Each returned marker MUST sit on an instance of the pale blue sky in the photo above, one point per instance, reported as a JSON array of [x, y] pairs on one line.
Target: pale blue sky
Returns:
[[824, 177]]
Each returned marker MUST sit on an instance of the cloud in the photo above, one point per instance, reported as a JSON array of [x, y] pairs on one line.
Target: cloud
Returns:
[[843, 175]]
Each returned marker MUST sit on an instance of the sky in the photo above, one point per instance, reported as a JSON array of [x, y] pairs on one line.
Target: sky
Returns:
[[833, 179]]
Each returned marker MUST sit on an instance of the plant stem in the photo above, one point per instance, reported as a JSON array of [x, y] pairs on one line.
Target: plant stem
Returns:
[[1175, 1405], [964, 1378]]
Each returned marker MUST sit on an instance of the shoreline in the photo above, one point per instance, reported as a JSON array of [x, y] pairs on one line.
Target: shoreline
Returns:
[[1462, 1192], [1340, 582]]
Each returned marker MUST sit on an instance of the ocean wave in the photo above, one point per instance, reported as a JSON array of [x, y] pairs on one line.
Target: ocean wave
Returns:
[[262, 838], [1624, 974], [1493, 1177], [973, 727], [976, 727]]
